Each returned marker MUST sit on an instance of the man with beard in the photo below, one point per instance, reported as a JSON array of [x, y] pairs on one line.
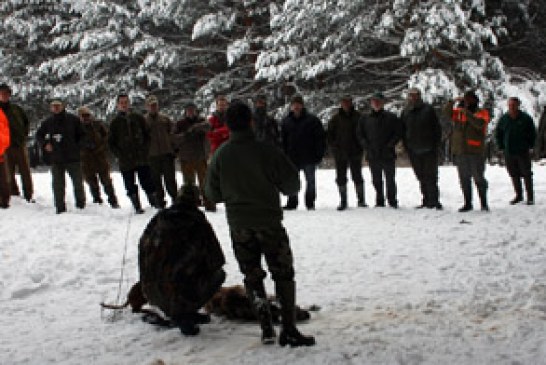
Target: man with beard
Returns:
[[189, 140], [346, 150], [303, 141], [422, 138], [265, 127], [379, 132], [469, 124], [515, 135], [17, 153], [61, 135]]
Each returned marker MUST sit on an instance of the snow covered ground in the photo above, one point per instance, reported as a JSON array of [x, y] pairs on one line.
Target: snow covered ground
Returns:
[[395, 286]]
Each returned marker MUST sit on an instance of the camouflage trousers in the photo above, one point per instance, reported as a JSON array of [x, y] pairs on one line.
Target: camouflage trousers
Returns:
[[249, 245]]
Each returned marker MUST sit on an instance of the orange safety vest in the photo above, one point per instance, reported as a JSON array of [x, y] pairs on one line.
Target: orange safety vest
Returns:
[[458, 116], [4, 134]]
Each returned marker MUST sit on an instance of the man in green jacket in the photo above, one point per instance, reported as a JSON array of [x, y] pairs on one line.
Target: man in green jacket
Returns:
[[248, 175], [17, 153], [129, 141], [515, 135]]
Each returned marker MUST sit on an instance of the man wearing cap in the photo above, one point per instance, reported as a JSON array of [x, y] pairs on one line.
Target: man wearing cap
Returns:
[[469, 129], [303, 140], [95, 165], [219, 132], [129, 141], [248, 176], [265, 127], [516, 134], [422, 139], [61, 135], [17, 154], [189, 140], [161, 151], [346, 150], [379, 132]]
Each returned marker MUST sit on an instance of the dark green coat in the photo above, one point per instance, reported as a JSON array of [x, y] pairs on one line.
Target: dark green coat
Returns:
[[342, 136], [129, 140], [515, 136], [422, 130], [248, 175]]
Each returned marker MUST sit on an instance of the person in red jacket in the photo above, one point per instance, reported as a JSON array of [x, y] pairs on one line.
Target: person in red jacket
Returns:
[[4, 144], [219, 132]]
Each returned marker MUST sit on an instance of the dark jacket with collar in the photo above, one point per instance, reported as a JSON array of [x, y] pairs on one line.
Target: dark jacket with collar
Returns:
[[129, 140], [303, 139], [248, 176], [379, 132], [64, 132], [422, 130], [342, 135]]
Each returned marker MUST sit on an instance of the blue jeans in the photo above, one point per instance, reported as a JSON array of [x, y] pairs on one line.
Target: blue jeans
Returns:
[[309, 172]]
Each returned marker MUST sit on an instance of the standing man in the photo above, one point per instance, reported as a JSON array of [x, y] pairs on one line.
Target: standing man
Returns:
[[468, 146], [17, 153], [422, 139], [248, 175], [379, 132], [95, 165], [129, 141], [303, 140], [540, 150], [4, 144], [265, 127], [219, 132], [61, 135], [515, 135], [189, 139], [161, 151], [347, 151]]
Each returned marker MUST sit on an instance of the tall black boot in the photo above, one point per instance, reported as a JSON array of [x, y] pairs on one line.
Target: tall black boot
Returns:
[[152, 199], [258, 298], [360, 195], [292, 203], [529, 190], [518, 188], [482, 192], [136, 203], [286, 294], [343, 197], [95, 193], [112, 198]]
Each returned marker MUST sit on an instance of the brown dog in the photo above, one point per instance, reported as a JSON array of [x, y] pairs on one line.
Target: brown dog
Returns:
[[232, 302]]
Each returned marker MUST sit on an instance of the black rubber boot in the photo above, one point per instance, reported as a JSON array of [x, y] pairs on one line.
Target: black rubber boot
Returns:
[[112, 199], [343, 197], [258, 298], [483, 199], [529, 190], [518, 189], [135, 200], [286, 294], [292, 203], [361, 197], [467, 193], [152, 199]]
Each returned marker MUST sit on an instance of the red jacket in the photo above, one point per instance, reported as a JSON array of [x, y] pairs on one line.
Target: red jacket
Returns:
[[4, 134], [219, 132]]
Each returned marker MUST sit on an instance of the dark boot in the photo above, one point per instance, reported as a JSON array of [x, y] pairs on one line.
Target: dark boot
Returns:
[[518, 188], [467, 193], [360, 195], [209, 206], [112, 199], [258, 298], [136, 203], [482, 192], [152, 199], [187, 324], [343, 197], [286, 294], [292, 203], [529, 190]]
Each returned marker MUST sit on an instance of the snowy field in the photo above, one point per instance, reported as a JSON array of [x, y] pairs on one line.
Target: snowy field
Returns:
[[395, 286]]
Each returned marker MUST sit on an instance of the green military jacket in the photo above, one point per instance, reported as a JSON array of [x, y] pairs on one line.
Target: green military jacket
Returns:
[[248, 176]]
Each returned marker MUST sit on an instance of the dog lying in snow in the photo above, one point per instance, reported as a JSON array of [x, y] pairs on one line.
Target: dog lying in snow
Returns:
[[232, 302]]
